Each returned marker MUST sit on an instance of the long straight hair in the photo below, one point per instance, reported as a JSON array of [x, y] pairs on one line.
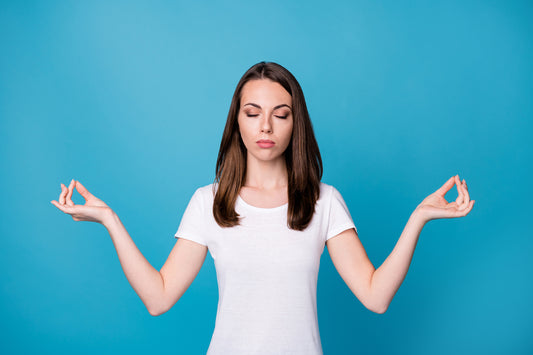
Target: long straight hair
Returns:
[[302, 157]]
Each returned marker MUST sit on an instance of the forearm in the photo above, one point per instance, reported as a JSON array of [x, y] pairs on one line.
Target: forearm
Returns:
[[143, 277], [387, 279]]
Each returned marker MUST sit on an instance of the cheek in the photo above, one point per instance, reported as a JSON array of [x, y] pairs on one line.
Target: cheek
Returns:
[[245, 134], [288, 134]]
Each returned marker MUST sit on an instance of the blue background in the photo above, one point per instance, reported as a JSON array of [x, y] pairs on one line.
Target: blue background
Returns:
[[131, 99]]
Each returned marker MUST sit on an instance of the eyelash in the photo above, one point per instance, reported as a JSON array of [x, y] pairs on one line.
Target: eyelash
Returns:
[[283, 117]]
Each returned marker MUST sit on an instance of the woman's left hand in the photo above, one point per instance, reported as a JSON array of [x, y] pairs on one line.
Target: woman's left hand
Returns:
[[435, 205]]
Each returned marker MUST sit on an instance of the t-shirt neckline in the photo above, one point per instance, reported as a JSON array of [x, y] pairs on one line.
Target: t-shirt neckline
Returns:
[[244, 203]]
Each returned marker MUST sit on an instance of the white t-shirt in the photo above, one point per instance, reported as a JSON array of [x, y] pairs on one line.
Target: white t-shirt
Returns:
[[267, 273]]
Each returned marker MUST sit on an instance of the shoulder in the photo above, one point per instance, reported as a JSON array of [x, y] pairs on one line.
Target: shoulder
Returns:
[[206, 192], [205, 188], [330, 194], [324, 200], [326, 190], [325, 187]]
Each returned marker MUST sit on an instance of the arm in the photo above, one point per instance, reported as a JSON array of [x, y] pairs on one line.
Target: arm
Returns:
[[376, 288], [158, 290], [387, 279]]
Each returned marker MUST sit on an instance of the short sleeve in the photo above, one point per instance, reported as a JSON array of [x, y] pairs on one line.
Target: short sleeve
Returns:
[[339, 215], [192, 225]]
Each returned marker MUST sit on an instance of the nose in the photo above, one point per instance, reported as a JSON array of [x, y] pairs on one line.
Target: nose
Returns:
[[266, 126]]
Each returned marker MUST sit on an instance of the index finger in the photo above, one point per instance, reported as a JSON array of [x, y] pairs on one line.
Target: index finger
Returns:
[[69, 194], [62, 194], [460, 197]]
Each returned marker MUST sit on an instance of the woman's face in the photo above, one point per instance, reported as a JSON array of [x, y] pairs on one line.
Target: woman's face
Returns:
[[265, 114]]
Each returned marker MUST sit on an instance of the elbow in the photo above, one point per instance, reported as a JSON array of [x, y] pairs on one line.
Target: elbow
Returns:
[[378, 308], [156, 311], [160, 307], [376, 303]]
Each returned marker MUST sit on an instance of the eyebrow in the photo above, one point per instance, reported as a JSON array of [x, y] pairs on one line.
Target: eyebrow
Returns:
[[275, 108]]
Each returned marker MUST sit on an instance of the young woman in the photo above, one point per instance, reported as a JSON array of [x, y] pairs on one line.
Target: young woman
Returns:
[[265, 220]]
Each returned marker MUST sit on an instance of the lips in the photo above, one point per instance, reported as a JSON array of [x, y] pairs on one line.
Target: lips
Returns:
[[265, 143]]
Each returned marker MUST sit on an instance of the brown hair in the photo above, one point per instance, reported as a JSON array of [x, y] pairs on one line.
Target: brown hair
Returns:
[[302, 157]]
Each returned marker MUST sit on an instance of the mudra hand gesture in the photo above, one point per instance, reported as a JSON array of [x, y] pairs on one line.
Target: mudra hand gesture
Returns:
[[435, 205], [94, 209]]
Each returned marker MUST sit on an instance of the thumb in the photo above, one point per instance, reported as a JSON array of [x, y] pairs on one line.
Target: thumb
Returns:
[[446, 187], [83, 191]]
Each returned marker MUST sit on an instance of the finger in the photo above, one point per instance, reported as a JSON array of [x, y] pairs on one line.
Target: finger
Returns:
[[466, 196], [451, 205], [466, 188], [446, 187], [63, 208], [57, 204], [62, 194], [460, 197], [69, 194], [464, 212], [83, 191]]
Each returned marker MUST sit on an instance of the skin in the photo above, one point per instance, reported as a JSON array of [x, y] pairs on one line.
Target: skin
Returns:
[[375, 288], [265, 113], [266, 186]]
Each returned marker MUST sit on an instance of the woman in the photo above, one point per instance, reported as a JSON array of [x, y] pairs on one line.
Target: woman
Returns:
[[265, 220]]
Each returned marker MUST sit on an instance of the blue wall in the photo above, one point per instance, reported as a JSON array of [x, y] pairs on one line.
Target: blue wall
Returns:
[[131, 99]]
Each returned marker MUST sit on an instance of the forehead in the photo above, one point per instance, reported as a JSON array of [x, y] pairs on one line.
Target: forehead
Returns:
[[265, 92]]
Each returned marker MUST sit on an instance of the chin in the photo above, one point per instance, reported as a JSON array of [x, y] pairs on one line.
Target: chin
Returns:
[[268, 158]]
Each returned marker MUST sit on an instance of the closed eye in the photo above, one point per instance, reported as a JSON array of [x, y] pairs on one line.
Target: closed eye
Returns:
[[249, 115]]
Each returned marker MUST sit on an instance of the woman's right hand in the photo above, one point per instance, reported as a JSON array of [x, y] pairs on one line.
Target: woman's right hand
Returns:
[[94, 209]]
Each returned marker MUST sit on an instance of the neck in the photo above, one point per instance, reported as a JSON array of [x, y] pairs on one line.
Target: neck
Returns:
[[266, 175]]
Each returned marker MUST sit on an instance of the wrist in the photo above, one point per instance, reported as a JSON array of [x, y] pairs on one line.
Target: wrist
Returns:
[[109, 218], [420, 216]]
